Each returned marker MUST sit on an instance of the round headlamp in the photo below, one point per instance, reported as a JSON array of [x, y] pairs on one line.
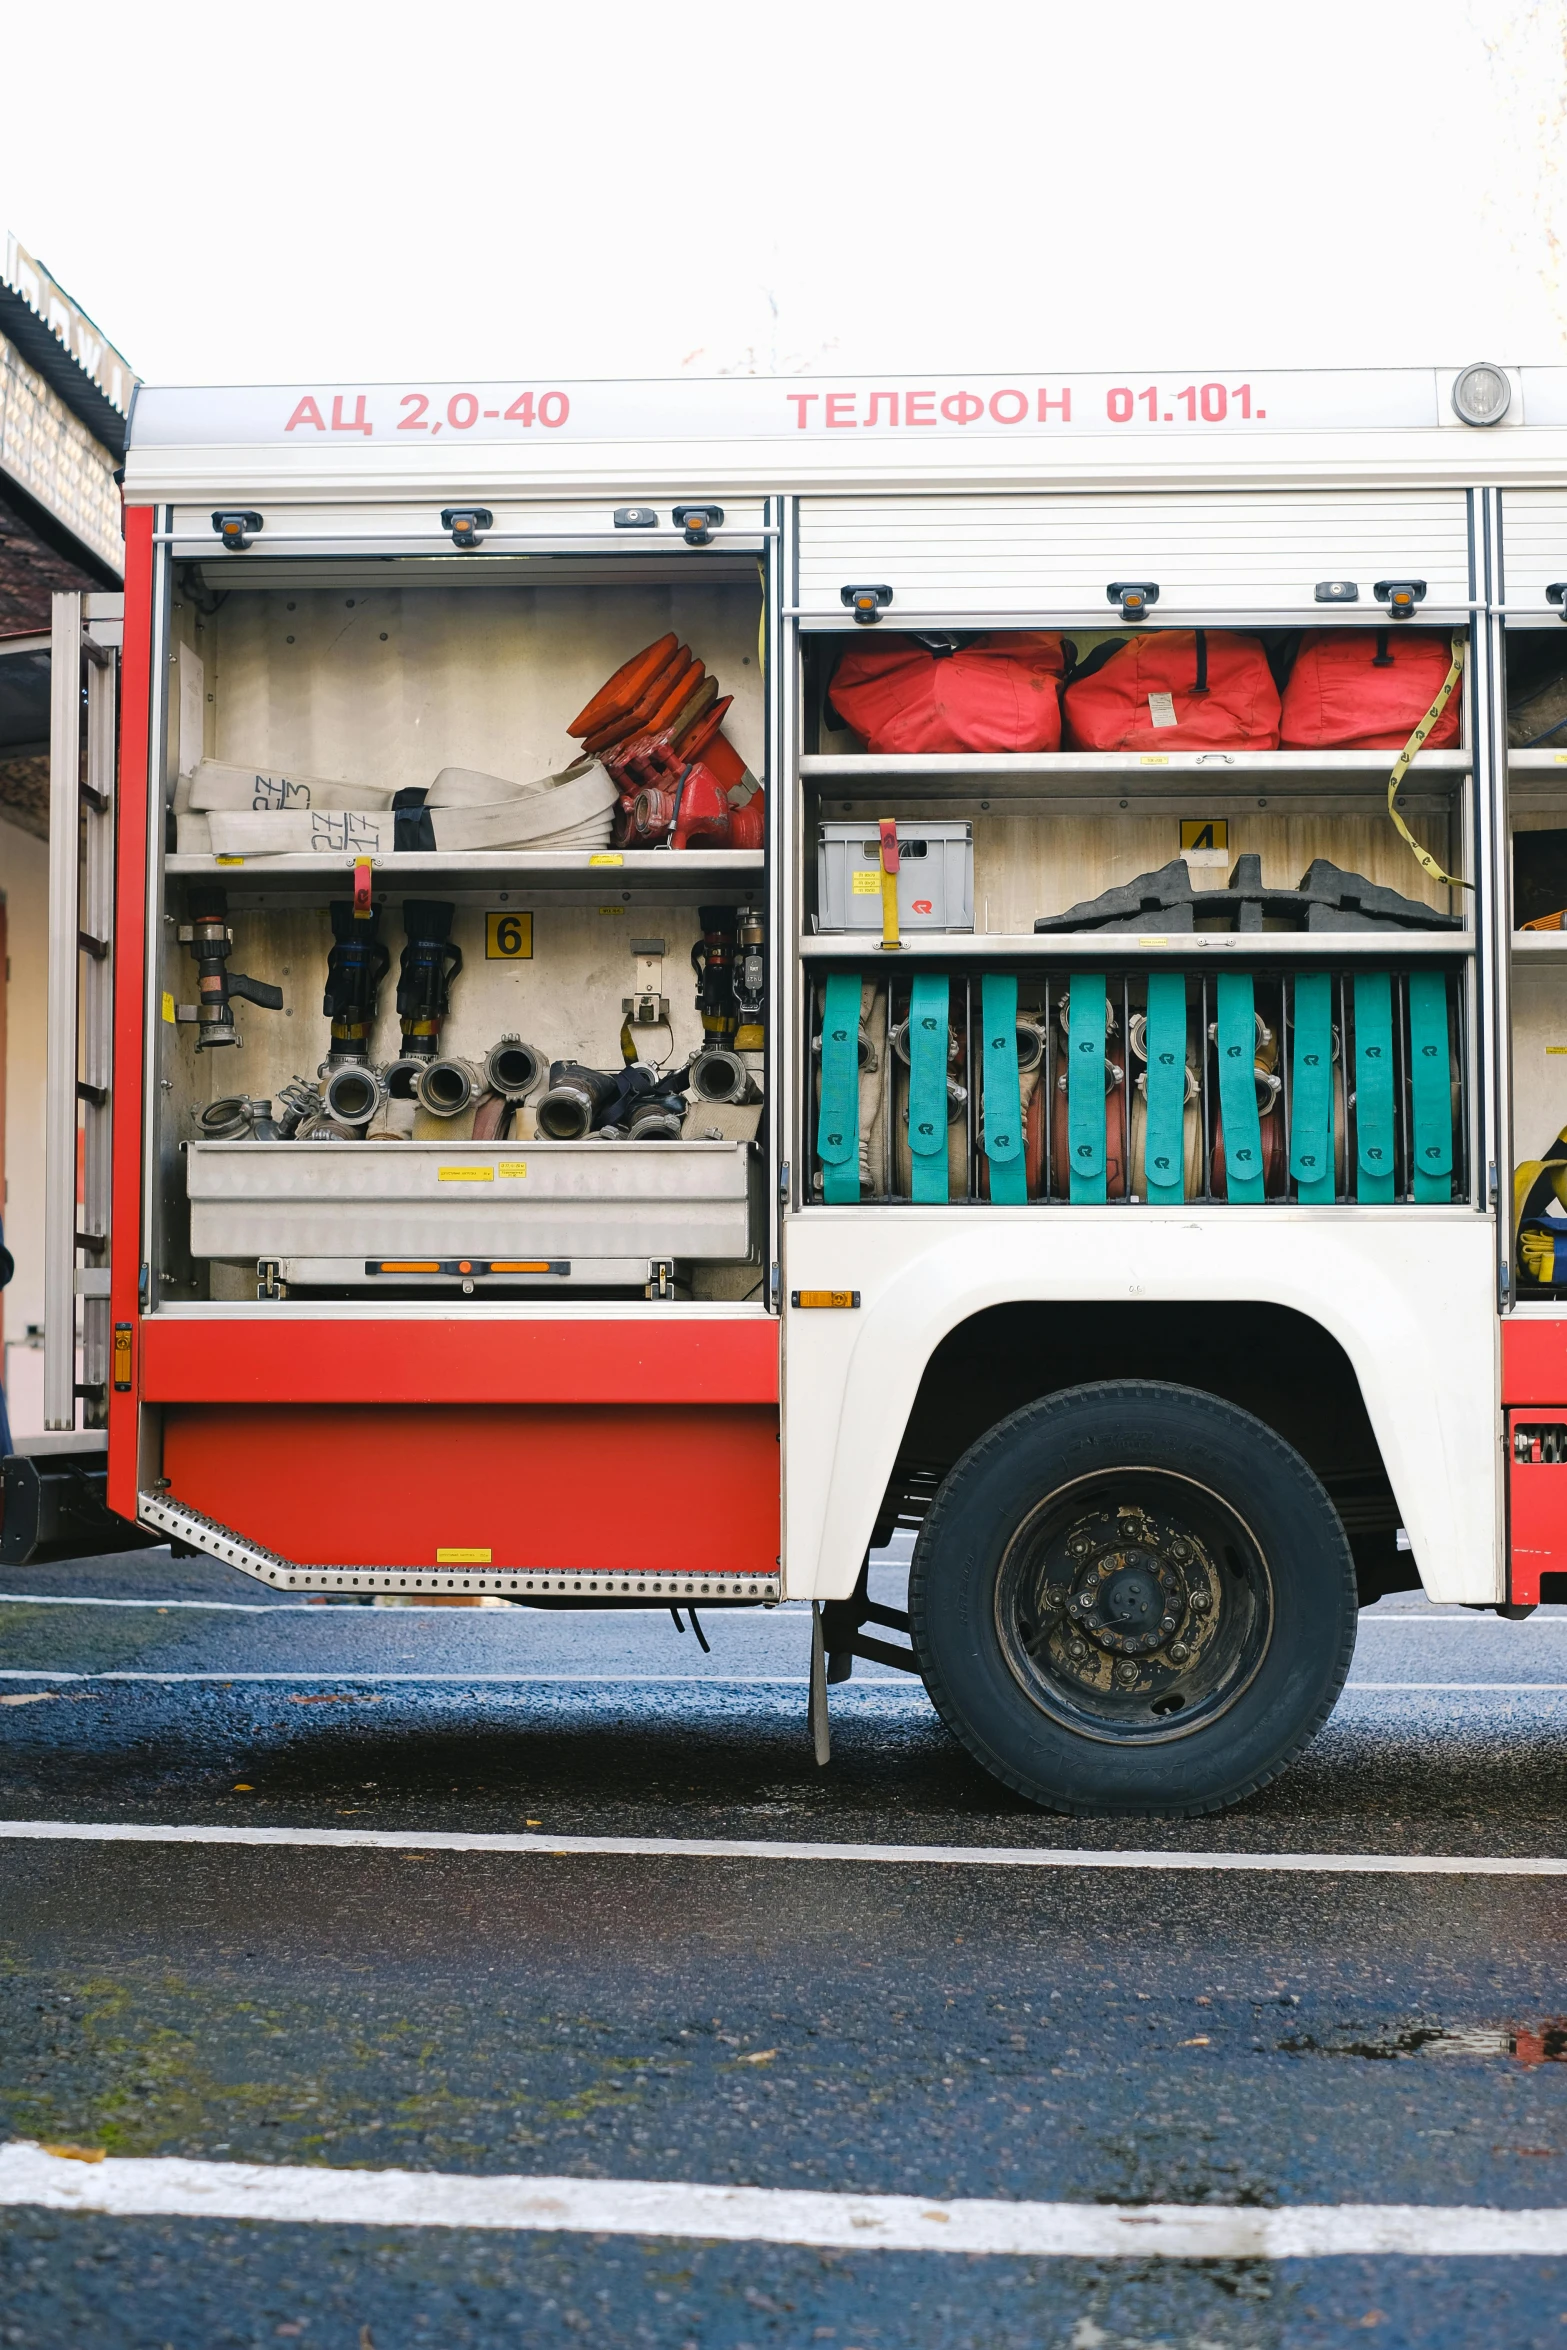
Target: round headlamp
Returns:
[[1481, 394]]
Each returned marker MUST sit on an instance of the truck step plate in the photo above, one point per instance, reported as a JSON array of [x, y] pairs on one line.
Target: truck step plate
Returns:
[[169, 1516]]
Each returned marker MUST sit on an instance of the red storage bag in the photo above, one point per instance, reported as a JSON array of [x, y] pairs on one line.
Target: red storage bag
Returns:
[[1175, 689], [995, 693], [1367, 689]]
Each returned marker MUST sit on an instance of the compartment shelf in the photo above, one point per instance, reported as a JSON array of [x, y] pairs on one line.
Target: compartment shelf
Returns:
[[1115, 945], [1282, 768], [675, 874]]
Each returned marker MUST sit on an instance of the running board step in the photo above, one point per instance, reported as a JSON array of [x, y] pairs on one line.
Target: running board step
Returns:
[[168, 1516]]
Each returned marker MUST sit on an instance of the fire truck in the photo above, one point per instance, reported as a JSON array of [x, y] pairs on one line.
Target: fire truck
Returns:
[[653, 981]]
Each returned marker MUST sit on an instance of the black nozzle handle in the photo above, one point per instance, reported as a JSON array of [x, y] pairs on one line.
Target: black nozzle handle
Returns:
[[256, 991]]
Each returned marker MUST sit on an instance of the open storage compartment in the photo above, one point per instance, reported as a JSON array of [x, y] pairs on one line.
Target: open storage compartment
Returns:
[[1537, 813], [474, 1025], [1053, 831], [1213, 893]]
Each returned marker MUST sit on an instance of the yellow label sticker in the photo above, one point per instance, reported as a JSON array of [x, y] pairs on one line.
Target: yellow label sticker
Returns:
[[467, 1174], [512, 1167], [866, 885], [1561, 758], [612, 909], [612, 857], [508, 938], [228, 860], [1205, 832], [826, 1297], [1556, 1048], [462, 1558], [168, 1007], [1154, 759]]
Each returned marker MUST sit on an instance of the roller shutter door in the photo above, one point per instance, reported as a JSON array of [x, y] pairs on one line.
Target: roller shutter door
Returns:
[[1534, 550], [1218, 553]]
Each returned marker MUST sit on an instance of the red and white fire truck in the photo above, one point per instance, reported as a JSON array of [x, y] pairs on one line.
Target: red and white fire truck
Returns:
[[664, 978]]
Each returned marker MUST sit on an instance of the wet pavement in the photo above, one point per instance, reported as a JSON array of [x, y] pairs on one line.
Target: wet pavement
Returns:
[[1074, 2036]]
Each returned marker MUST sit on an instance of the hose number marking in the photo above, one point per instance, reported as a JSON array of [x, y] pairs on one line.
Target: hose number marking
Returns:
[[508, 938], [466, 1174]]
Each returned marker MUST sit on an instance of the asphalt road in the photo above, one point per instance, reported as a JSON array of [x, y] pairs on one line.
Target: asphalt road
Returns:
[[944, 2032]]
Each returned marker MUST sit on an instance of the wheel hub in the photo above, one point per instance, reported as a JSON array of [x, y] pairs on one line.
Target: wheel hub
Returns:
[[1130, 1601]]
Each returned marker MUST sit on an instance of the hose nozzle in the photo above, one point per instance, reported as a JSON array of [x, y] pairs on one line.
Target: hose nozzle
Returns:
[[514, 1069], [719, 1075], [447, 1088], [353, 1093]]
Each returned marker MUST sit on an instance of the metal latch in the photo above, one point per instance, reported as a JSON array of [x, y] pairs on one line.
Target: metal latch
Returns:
[[647, 1006], [235, 528], [467, 524]]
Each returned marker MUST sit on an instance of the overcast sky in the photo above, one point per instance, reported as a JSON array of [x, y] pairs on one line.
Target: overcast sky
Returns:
[[290, 193]]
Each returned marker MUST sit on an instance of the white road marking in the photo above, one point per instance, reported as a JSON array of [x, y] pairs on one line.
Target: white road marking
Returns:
[[908, 1683], [237, 1607], [1483, 1617], [985, 1856], [171, 2186]]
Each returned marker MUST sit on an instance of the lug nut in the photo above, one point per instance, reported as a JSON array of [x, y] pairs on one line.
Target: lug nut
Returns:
[[1179, 1652], [1199, 1603], [1126, 1673]]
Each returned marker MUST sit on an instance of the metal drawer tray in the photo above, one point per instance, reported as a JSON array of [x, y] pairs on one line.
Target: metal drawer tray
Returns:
[[436, 1199]]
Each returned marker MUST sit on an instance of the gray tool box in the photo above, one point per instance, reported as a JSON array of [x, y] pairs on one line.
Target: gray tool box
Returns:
[[935, 876], [348, 1201]]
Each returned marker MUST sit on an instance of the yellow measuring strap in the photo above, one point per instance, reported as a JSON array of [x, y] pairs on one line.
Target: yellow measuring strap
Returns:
[[887, 827], [1427, 862]]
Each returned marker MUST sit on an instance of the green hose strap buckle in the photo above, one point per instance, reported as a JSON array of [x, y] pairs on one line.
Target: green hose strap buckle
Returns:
[[1374, 1085], [1312, 1143], [838, 1119], [1430, 1085], [1003, 1128], [1164, 1133], [1085, 1086], [928, 1086], [1237, 1025]]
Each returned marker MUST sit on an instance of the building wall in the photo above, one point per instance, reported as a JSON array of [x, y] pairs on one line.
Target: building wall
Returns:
[[55, 458], [24, 883]]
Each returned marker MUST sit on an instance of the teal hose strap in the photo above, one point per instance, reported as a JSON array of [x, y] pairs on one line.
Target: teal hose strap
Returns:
[[1003, 1130], [1085, 1087], [1430, 1086], [1238, 1087], [1373, 1086], [1312, 1142], [1164, 1137], [928, 1086], [838, 1116]]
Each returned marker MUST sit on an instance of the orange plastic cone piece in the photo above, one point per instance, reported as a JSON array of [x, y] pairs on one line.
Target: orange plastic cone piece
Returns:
[[619, 694]]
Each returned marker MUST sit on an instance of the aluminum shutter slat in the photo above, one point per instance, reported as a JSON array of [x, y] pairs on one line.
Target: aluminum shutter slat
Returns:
[[1213, 552], [1534, 548]]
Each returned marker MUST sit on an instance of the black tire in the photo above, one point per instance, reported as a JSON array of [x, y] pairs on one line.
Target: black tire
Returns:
[[1060, 1552]]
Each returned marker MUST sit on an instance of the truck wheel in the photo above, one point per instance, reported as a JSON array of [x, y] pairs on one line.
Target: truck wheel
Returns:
[[1133, 1598]]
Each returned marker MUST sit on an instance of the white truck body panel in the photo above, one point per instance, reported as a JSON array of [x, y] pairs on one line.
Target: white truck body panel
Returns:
[[1406, 1292]]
